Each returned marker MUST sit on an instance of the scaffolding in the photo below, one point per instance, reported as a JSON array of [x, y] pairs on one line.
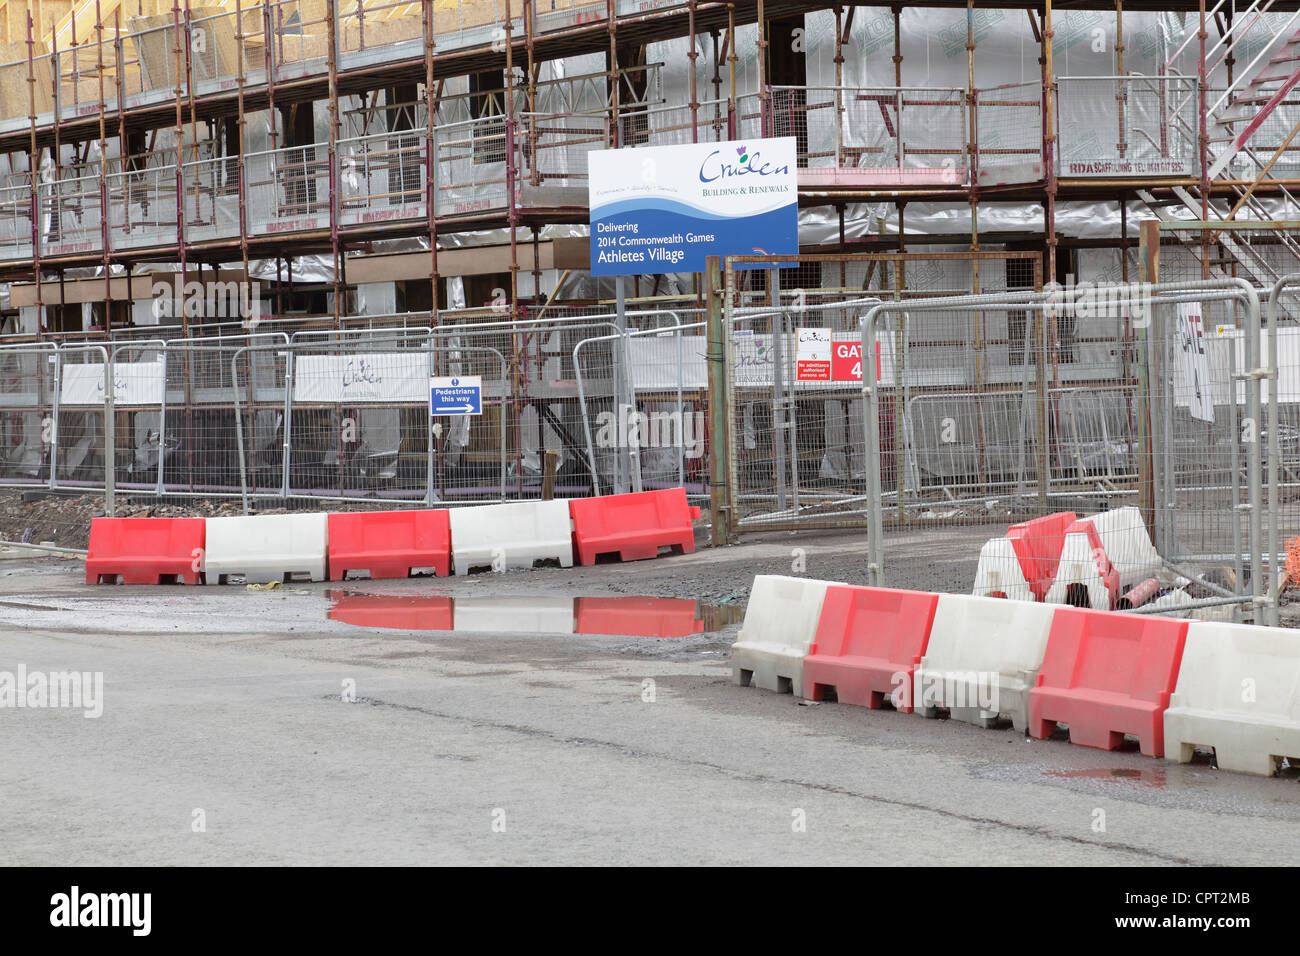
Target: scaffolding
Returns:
[[210, 139], [86, 102]]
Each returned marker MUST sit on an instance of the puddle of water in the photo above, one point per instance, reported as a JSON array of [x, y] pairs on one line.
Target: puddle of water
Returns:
[[632, 616], [1145, 778]]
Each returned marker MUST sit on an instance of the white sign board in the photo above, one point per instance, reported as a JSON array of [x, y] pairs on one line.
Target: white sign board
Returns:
[[1195, 365], [134, 383], [660, 209], [368, 377], [813, 355]]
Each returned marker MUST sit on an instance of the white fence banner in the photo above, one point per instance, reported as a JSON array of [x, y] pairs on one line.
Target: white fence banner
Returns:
[[660, 363], [366, 377], [134, 383]]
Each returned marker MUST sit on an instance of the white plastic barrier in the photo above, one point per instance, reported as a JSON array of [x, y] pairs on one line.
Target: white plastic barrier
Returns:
[[533, 615], [983, 657], [1127, 544], [266, 548], [999, 572], [513, 535], [1079, 566], [780, 624], [1238, 691]]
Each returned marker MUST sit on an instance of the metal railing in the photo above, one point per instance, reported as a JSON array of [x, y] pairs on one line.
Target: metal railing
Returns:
[[861, 136], [1008, 134], [1142, 127]]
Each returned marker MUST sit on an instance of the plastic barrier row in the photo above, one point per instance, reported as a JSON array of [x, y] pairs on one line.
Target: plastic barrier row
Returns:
[[1173, 685], [1064, 559], [387, 544]]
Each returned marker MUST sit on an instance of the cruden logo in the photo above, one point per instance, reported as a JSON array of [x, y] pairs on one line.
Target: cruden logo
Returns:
[[747, 164]]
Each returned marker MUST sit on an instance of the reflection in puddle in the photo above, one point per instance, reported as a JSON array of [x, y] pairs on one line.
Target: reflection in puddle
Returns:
[[636, 616], [1145, 778]]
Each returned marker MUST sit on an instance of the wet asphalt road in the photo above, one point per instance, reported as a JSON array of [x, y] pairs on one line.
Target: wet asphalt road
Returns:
[[225, 706]]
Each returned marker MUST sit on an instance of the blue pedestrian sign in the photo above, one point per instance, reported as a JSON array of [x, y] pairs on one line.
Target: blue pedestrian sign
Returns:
[[456, 395]]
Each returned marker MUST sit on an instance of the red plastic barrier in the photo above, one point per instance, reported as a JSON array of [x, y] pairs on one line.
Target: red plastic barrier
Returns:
[[389, 544], [1038, 544], [868, 644], [633, 526], [145, 550], [1107, 675], [642, 616], [1105, 569], [433, 612]]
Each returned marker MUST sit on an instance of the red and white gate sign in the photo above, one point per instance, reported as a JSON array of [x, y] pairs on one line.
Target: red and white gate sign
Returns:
[[846, 362]]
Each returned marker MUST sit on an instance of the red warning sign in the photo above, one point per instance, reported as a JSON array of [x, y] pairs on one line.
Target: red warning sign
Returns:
[[813, 355], [846, 362]]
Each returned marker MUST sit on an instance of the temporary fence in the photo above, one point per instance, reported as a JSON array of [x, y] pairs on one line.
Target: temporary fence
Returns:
[[795, 377], [653, 417], [1198, 456], [1263, 253], [344, 415]]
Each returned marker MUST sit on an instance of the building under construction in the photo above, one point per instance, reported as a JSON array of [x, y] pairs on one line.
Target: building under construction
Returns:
[[170, 172]]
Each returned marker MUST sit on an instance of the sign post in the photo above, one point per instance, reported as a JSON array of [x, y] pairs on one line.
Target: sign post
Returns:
[[449, 395], [777, 325], [666, 209], [627, 470]]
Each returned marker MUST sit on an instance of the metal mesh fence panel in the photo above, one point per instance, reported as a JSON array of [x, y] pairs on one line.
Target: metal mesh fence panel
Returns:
[[79, 446], [139, 376], [542, 409], [15, 219], [1281, 448], [198, 447], [358, 423], [644, 401], [28, 404], [381, 178], [1180, 467], [1195, 352], [1194, 493], [871, 136], [797, 443], [470, 172]]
